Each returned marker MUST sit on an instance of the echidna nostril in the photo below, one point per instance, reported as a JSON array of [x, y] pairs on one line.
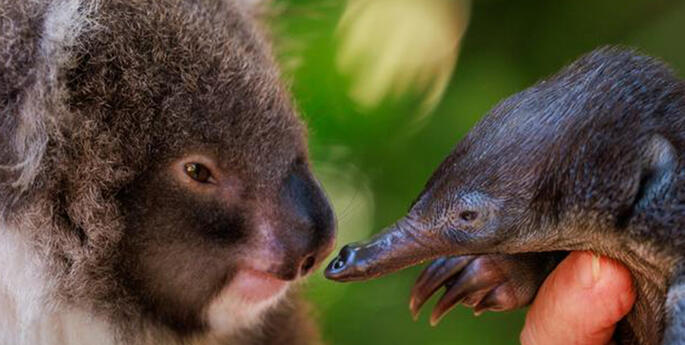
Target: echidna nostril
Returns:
[[338, 264], [341, 261], [343, 264]]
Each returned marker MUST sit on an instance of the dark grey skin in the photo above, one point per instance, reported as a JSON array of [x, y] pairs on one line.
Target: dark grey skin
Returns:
[[589, 159]]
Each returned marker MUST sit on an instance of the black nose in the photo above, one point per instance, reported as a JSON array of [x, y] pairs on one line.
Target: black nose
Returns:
[[341, 262], [311, 233]]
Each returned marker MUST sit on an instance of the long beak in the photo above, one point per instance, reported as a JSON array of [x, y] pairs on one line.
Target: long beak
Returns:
[[397, 247]]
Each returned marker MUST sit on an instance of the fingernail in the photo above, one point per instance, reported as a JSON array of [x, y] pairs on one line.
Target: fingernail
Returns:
[[588, 276], [595, 268]]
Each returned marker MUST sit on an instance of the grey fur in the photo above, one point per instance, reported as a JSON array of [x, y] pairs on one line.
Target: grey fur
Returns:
[[96, 98]]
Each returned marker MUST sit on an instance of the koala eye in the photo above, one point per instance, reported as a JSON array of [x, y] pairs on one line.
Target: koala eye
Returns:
[[468, 216], [198, 172]]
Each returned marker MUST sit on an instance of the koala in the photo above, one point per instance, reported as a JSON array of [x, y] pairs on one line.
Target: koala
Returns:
[[155, 186], [591, 158]]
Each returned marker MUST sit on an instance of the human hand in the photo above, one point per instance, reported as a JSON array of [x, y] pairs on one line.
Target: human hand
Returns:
[[580, 302]]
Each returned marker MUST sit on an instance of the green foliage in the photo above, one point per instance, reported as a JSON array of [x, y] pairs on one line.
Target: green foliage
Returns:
[[379, 159]]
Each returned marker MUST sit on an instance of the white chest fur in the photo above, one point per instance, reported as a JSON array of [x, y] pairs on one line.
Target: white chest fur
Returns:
[[28, 316]]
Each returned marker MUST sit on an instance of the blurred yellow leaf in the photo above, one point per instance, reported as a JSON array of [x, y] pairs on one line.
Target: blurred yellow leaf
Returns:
[[391, 47]]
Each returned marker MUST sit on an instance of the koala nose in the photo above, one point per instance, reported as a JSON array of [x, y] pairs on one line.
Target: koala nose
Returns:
[[312, 218]]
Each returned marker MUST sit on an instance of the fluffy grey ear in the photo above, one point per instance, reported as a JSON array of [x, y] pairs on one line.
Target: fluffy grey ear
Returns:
[[256, 8], [251, 3]]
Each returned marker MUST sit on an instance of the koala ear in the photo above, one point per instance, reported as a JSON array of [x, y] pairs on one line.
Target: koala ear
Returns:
[[249, 3], [658, 165], [252, 6], [257, 9]]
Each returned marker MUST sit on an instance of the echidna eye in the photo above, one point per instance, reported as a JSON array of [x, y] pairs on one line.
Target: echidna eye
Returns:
[[468, 216], [197, 172]]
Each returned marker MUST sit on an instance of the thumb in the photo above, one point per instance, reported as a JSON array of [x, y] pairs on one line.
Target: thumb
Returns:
[[580, 302]]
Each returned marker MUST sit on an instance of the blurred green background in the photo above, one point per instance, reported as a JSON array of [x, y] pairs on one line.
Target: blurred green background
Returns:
[[374, 154]]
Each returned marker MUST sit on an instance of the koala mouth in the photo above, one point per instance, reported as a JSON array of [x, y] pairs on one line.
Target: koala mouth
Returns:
[[254, 286], [249, 294]]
